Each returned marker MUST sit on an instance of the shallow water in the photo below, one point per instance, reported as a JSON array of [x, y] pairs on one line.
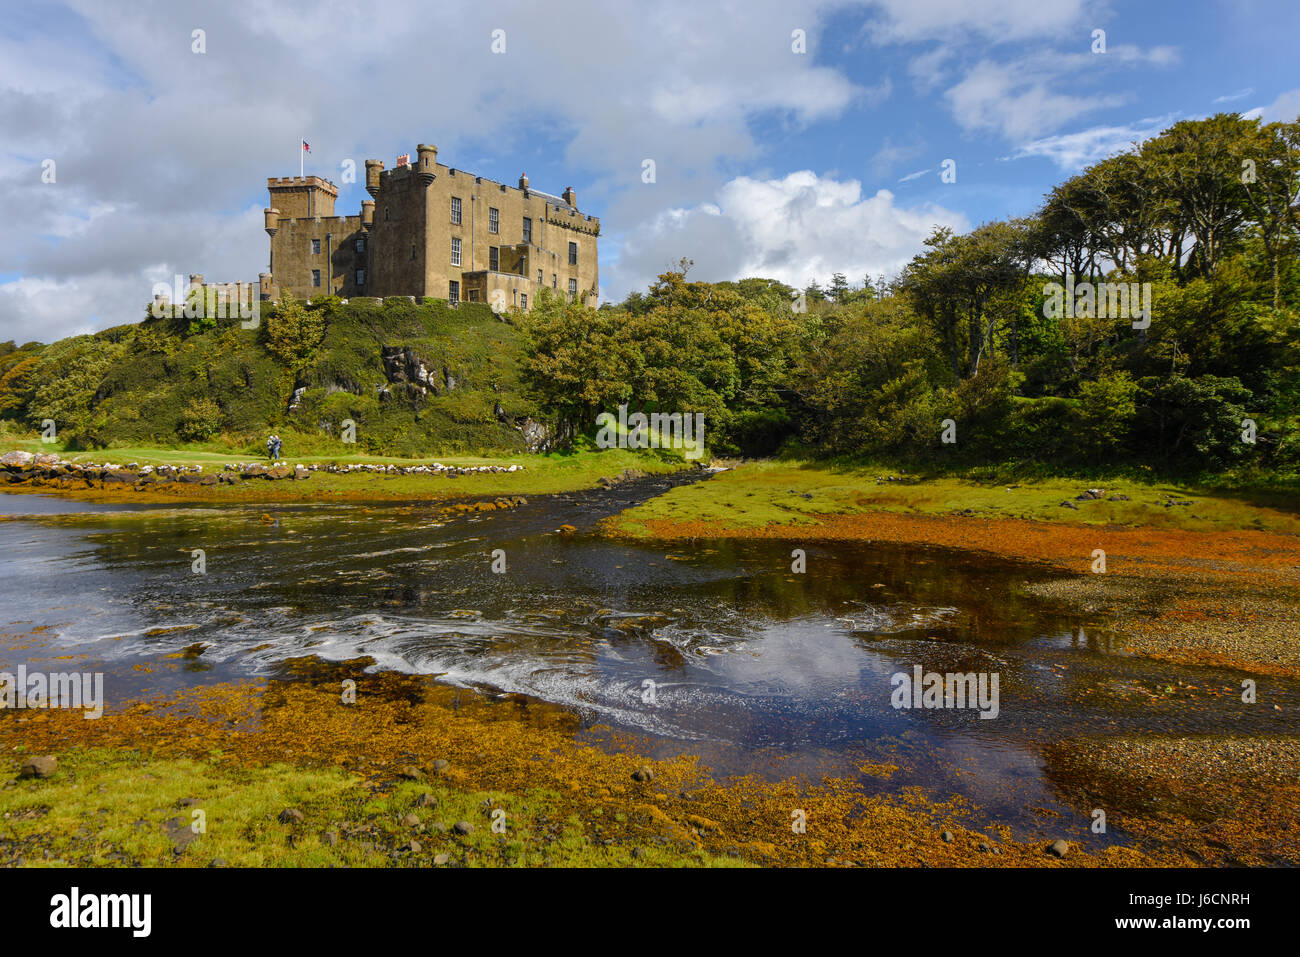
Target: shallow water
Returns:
[[754, 667]]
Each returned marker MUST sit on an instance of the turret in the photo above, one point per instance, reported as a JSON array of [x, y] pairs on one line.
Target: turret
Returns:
[[427, 158], [272, 220], [373, 169], [367, 213]]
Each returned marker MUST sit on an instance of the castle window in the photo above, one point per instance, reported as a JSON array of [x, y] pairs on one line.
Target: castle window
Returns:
[[573, 287], [361, 277], [573, 254], [555, 281], [315, 247], [386, 216], [453, 292], [494, 258], [412, 252], [494, 220], [455, 251], [315, 277], [361, 245], [455, 210], [523, 301], [528, 230], [540, 280]]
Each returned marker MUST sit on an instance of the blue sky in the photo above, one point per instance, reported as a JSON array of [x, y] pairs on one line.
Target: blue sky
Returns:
[[768, 161]]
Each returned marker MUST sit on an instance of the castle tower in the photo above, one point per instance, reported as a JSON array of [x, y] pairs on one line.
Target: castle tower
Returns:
[[272, 221], [302, 197], [367, 214], [427, 157], [373, 169]]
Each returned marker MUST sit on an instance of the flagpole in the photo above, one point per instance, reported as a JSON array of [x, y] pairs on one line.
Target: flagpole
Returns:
[[302, 160]]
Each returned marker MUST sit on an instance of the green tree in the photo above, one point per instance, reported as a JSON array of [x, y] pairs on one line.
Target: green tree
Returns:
[[1107, 408], [293, 333]]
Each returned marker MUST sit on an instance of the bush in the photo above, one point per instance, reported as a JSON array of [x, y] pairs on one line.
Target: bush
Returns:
[[1107, 408], [200, 421], [1193, 422]]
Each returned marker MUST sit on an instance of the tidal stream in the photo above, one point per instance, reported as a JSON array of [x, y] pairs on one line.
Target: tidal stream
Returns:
[[712, 647]]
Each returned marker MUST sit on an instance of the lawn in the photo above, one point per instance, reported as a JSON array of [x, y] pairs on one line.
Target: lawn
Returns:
[[770, 492]]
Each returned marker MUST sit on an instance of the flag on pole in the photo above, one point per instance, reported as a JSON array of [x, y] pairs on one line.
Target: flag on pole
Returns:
[[306, 148]]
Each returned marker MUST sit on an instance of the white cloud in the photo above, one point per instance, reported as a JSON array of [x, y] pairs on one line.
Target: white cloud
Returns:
[[1229, 97], [1074, 151], [1012, 100], [161, 150], [995, 20], [1285, 109], [796, 228]]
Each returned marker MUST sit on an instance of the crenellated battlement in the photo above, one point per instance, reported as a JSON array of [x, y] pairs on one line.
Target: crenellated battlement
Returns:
[[302, 182]]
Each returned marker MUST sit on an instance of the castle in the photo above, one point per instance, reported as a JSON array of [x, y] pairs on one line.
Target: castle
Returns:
[[427, 230]]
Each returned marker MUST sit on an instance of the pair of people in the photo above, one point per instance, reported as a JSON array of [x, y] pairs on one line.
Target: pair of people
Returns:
[[273, 447]]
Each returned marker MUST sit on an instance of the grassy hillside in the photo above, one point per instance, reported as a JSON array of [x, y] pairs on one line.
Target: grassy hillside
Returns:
[[450, 385]]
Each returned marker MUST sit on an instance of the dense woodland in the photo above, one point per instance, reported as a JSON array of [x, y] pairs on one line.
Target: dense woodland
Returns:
[[1207, 214]]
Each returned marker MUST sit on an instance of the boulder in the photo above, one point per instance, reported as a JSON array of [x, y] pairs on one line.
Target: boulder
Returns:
[[39, 766], [16, 459]]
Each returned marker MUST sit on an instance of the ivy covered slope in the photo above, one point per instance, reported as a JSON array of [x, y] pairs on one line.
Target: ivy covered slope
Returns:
[[414, 378]]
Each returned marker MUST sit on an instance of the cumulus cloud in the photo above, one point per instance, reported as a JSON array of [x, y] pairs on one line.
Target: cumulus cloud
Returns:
[[796, 228]]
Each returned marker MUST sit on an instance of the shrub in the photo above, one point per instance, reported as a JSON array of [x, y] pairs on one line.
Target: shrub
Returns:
[[200, 421]]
